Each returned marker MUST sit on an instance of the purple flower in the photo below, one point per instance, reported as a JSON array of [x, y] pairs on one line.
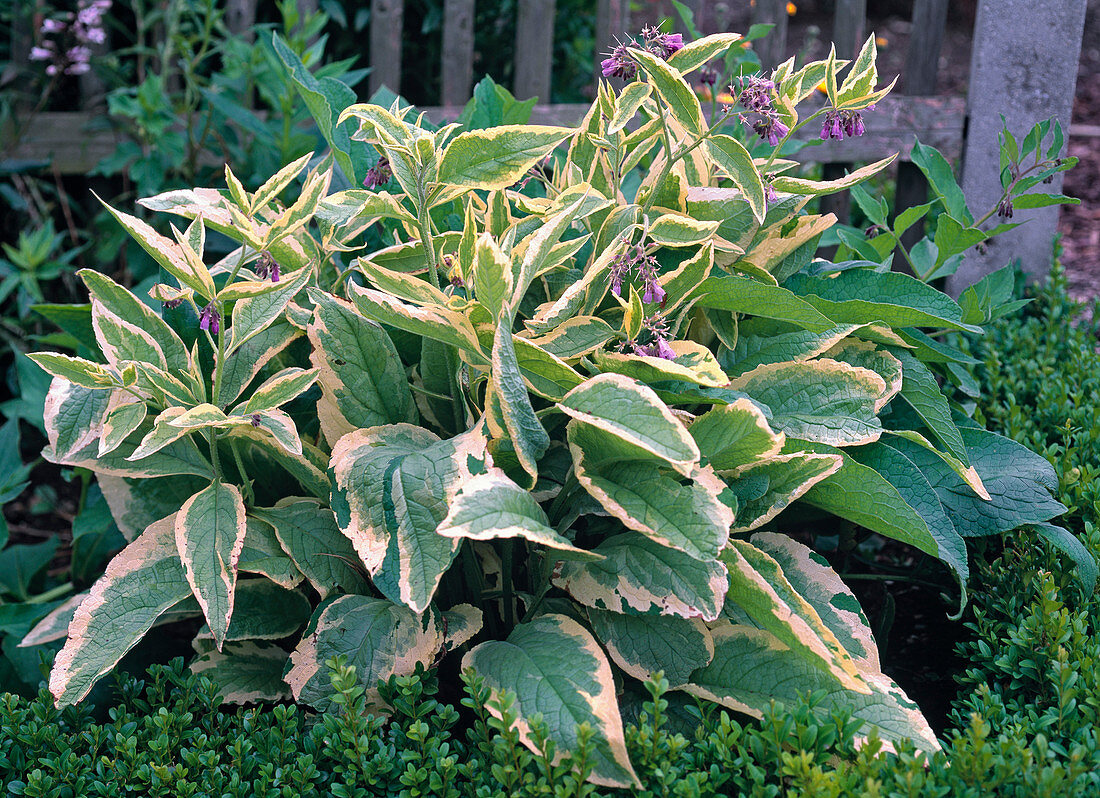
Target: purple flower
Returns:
[[379, 174], [769, 194], [42, 53], [654, 293], [268, 267], [756, 94], [853, 123], [255, 419], [665, 44], [708, 76], [838, 124], [619, 64], [1004, 209], [831, 127], [172, 304], [209, 319], [52, 26], [664, 350], [769, 127]]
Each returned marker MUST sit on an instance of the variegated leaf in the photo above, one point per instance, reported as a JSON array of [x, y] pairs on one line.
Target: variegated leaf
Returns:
[[865, 354], [491, 506], [262, 554], [73, 417], [136, 503], [361, 374], [243, 365], [642, 646], [460, 623], [280, 388], [379, 638], [555, 668], [633, 413], [630, 484], [246, 673], [210, 530], [392, 486], [693, 363], [824, 401], [307, 532], [122, 420], [263, 611], [752, 668], [638, 576], [734, 436], [143, 581], [759, 587], [253, 314], [765, 489]]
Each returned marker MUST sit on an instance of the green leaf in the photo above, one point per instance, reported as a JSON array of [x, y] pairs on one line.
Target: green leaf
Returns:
[[141, 583], [274, 185], [491, 506], [644, 646], [438, 323], [860, 494], [263, 554], [76, 320], [379, 639], [325, 98], [21, 563], [942, 179], [524, 429], [308, 533], [1026, 201], [633, 413], [673, 90], [556, 669], [253, 314], [210, 531], [693, 362], [77, 370], [922, 392], [265, 611], [731, 157], [120, 423], [748, 296], [627, 105], [125, 305], [629, 483], [1065, 541], [913, 487], [1019, 483], [246, 673], [498, 157], [826, 401], [640, 577], [392, 487], [765, 489], [135, 503], [897, 299], [281, 388], [121, 342], [578, 336], [360, 371], [752, 669], [734, 436]]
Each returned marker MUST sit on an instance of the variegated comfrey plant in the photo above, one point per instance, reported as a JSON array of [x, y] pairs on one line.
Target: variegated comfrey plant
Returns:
[[539, 398]]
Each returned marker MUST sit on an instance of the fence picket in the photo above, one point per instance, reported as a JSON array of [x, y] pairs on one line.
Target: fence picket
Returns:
[[386, 21], [458, 51], [534, 49], [772, 47], [922, 63]]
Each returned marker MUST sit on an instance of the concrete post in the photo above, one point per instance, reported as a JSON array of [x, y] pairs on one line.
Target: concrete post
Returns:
[[1023, 65]]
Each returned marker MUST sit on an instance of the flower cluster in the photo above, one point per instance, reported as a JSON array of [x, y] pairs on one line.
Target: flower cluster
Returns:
[[635, 260], [838, 124], [656, 328], [619, 64], [267, 268], [1004, 208], [210, 320], [379, 174], [66, 40], [755, 96]]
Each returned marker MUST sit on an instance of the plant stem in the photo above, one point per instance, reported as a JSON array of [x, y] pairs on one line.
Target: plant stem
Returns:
[[506, 581], [246, 483], [51, 594]]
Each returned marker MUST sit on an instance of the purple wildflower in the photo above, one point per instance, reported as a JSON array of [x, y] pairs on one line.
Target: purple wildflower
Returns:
[[838, 124], [660, 44], [267, 268], [654, 292], [769, 127], [379, 174], [708, 76], [770, 194], [172, 304], [52, 26], [1004, 209], [209, 319], [756, 94], [619, 64], [664, 350], [255, 419], [831, 127], [42, 53]]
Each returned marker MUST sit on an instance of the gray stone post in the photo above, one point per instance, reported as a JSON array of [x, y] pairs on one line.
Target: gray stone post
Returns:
[[1023, 65]]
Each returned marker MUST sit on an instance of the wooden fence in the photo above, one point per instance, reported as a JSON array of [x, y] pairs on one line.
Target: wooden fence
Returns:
[[76, 146]]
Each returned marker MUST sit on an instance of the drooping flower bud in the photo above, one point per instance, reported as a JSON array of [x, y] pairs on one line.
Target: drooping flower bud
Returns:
[[210, 319]]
